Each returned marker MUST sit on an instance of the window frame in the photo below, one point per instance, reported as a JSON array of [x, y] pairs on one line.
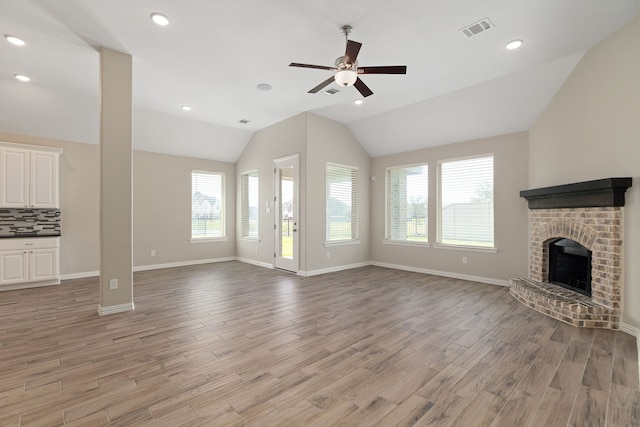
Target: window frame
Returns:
[[479, 248], [355, 238], [387, 205], [245, 205], [223, 216]]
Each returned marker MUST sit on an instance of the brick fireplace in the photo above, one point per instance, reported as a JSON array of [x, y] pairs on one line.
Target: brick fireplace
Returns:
[[591, 214]]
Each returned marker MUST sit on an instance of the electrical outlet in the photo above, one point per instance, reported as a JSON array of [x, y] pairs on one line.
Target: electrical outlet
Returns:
[[257, 248], [113, 284], [328, 254], [464, 259], [153, 252]]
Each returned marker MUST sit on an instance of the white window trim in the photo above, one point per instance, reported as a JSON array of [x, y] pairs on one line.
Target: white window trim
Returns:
[[342, 242], [407, 243], [386, 204], [244, 236], [224, 237], [208, 239], [356, 239], [439, 245], [485, 249]]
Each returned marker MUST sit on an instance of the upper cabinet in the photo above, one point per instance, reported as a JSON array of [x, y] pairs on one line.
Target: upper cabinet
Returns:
[[28, 176]]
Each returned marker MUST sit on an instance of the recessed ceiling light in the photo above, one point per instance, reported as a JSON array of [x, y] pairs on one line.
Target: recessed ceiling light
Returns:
[[358, 102], [514, 44], [160, 19], [22, 77], [14, 40], [185, 108], [264, 86], [244, 121]]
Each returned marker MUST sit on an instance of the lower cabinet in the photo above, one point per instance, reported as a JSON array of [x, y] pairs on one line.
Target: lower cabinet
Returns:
[[26, 261]]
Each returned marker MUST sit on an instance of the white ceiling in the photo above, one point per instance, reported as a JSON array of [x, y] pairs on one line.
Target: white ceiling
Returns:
[[214, 53]]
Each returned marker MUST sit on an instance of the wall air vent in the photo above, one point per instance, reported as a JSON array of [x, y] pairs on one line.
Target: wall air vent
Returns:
[[477, 28], [331, 91]]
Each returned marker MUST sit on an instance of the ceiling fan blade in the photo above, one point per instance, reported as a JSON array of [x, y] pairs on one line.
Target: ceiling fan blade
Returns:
[[319, 67], [351, 53], [362, 88], [322, 85], [391, 69]]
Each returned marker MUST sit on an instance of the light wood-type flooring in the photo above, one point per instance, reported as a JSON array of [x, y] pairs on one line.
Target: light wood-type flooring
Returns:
[[234, 344]]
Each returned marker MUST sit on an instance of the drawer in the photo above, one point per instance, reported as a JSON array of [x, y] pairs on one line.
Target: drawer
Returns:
[[24, 243]]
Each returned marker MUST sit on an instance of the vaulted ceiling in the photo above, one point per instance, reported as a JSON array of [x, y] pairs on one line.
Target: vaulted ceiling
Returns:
[[213, 54]]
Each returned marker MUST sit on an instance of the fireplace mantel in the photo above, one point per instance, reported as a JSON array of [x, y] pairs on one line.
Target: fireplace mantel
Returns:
[[608, 192]]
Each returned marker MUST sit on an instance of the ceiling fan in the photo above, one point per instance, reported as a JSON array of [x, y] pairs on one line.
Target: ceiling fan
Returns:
[[347, 70]]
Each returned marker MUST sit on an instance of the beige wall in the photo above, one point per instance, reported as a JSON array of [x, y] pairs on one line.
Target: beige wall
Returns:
[[329, 141], [282, 139], [318, 141], [591, 130], [511, 214], [162, 209]]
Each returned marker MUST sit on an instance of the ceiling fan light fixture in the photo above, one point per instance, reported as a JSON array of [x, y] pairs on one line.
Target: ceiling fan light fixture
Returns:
[[346, 77]]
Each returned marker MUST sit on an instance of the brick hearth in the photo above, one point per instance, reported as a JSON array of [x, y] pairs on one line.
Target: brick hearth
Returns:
[[598, 229]]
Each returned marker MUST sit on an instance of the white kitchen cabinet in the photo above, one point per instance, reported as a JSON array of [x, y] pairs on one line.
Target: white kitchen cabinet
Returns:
[[26, 262], [14, 267], [28, 176]]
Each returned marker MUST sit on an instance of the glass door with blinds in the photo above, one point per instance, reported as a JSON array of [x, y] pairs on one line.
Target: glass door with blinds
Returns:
[[286, 213]]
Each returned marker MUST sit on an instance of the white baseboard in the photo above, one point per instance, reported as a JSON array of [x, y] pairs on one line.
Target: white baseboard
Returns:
[[633, 331], [255, 262], [332, 269], [28, 285], [181, 264], [82, 275], [488, 280], [113, 309]]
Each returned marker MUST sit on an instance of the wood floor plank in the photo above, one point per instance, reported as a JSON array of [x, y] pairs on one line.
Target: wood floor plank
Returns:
[[589, 409], [554, 410], [234, 344]]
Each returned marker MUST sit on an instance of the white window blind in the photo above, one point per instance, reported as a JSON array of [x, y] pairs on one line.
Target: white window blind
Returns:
[[466, 202], [407, 203], [341, 219], [207, 205], [250, 205]]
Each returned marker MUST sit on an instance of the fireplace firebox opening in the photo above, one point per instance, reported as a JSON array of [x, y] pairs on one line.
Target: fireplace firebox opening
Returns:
[[570, 265]]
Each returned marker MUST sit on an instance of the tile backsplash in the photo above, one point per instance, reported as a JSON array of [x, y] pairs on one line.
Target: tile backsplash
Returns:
[[44, 222]]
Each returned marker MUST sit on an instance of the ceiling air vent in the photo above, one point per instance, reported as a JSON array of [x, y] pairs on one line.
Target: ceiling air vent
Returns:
[[331, 91], [477, 28]]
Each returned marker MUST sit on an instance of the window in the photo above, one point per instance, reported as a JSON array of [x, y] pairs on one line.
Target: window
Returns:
[[466, 202], [250, 205], [207, 205], [341, 222], [407, 202]]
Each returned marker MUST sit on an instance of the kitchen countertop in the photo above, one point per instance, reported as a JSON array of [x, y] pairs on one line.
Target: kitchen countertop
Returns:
[[30, 235]]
